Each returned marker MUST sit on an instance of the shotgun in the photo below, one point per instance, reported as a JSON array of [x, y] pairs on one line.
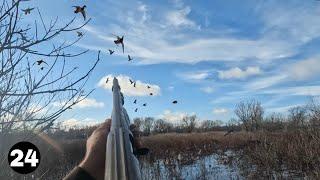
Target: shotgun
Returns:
[[121, 163]]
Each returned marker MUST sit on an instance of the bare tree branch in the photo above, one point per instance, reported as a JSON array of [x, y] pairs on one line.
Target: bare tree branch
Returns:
[[28, 91]]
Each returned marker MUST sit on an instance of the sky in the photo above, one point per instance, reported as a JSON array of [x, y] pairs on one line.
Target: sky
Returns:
[[208, 55]]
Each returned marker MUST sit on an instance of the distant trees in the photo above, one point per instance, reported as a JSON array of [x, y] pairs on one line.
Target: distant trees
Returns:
[[274, 122], [189, 123], [249, 117], [297, 116], [161, 126], [210, 125], [314, 113], [145, 125], [186, 124], [207, 125], [250, 114]]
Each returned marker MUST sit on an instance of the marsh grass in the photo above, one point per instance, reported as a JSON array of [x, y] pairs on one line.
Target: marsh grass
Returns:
[[259, 154], [296, 153]]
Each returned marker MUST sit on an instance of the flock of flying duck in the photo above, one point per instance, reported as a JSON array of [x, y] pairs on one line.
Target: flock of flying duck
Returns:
[[118, 41]]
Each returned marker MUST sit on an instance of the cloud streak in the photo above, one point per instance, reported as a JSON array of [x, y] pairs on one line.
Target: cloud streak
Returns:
[[194, 76], [179, 18], [85, 103], [174, 117], [175, 45], [207, 90], [219, 111], [237, 73], [305, 69], [77, 123]]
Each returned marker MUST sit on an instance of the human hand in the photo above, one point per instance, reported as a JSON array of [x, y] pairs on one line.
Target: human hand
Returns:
[[94, 160]]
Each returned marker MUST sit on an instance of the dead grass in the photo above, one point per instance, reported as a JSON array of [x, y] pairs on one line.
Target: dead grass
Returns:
[[194, 145], [296, 151]]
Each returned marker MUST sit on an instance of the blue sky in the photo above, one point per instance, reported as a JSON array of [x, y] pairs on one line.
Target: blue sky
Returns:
[[208, 55]]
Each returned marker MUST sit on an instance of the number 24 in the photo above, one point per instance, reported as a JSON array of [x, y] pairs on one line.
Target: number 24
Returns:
[[31, 158]]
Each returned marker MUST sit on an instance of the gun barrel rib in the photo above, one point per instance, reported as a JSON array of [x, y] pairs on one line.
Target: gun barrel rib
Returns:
[[120, 161]]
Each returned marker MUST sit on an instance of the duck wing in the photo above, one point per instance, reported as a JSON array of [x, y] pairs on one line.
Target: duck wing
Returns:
[[83, 12], [122, 47]]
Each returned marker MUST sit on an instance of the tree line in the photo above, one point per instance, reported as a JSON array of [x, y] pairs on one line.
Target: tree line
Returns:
[[250, 117]]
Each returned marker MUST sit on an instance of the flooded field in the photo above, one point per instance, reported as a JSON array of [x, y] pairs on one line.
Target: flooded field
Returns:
[[208, 167], [227, 165]]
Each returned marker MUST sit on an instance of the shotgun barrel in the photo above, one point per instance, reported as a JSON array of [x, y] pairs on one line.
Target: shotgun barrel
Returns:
[[121, 163]]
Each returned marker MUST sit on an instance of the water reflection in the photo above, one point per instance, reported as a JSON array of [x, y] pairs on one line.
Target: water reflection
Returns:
[[207, 167], [223, 165]]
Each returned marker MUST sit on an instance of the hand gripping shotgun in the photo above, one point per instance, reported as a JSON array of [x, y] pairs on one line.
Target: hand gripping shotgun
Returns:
[[121, 163]]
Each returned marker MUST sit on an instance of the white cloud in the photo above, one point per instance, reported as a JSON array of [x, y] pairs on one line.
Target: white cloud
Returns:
[[281, 109], [207, 89], [174, 117], [171, 45], [280, 35], [144, 10], [37, 109], [295, 91], [305, 69], [298, 71], [171, 88], [237, 73], [89, 102], [127, 88], [195, 76], [179, 18], [266, 82], [301, 29], [220, 111], [212, 49], [76, 123], [225, 99], [178, 3], [86, 103]]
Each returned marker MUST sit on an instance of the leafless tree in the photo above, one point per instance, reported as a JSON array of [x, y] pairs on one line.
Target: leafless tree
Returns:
[[161, 126], [232, 123], [189, 122], [314, 112], [33, 96], [209, 125], [298, 116], [274, 122], [147, 125], [250, 113]]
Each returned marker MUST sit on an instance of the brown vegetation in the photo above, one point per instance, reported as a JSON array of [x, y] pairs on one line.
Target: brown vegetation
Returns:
[[285, 144], [296, 151], [194, 144]]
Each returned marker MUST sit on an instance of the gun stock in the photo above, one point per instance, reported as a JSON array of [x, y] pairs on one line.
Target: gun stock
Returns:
[[121, 163]]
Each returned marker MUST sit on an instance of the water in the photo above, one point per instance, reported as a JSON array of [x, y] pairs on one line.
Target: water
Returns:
[[225, 165], [207, 167]]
